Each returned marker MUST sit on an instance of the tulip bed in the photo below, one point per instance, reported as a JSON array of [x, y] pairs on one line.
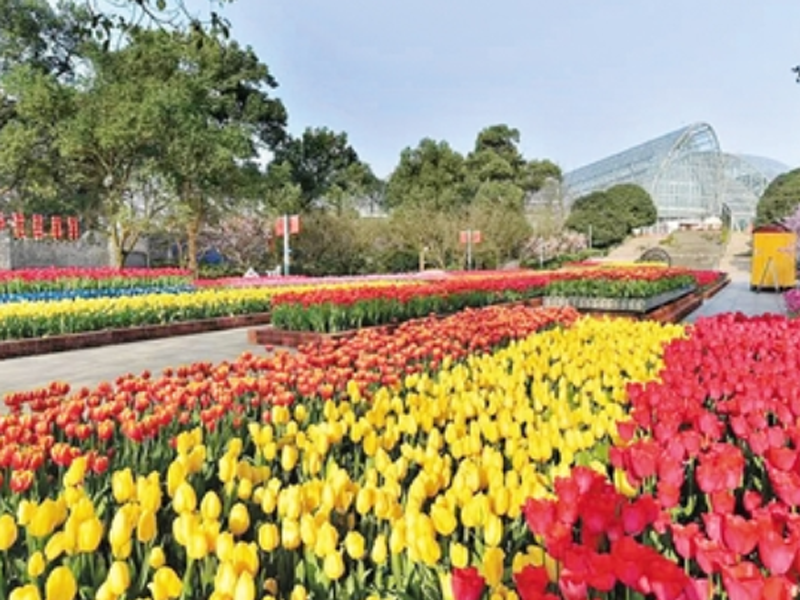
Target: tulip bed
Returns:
[[23, 281], [333, 310], [21, 320], [504, 452], [368, 467]]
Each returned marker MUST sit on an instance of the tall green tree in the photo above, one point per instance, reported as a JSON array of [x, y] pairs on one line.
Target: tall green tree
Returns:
[[326, 168], [432, 175], [633, 205], [780, 199], [217, 113], [498, 172]]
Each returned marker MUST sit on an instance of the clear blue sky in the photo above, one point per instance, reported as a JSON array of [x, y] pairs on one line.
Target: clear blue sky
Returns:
[[579, 79]]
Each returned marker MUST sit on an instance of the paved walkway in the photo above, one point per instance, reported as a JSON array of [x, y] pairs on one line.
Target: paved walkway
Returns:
[[90, 366], [737, 296]]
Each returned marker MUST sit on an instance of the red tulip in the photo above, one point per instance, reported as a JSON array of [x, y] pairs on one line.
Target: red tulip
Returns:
[[743, 582], [776, 553], [467, 584], [531, 582], [739, 535]]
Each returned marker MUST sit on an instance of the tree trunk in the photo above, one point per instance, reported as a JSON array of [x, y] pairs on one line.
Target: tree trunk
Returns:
[[192, 233], [117, 253]]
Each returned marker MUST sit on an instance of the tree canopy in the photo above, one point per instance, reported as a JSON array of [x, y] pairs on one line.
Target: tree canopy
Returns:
[[165, 133], [612, 214], [780, 200]]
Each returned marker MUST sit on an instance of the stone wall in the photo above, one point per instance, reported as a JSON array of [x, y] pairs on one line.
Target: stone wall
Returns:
[[20, 254]]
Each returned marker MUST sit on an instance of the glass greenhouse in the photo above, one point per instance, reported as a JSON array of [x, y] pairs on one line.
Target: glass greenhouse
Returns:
[[687, 174]]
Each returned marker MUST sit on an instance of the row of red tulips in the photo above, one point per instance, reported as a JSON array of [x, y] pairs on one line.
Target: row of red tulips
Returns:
[[330, 310], [47, 428], [710, 467]]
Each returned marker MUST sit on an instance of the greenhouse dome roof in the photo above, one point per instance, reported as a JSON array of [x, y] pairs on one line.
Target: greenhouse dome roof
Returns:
[[686, 172]]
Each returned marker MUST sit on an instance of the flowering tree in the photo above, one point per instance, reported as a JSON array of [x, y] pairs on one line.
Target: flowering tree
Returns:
[[241, 239]]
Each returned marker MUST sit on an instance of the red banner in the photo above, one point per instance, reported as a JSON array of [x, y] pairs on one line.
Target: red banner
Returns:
[[38, 227], [464, 237], [294, 225], [56, 229], [73, 231], [19, 225]]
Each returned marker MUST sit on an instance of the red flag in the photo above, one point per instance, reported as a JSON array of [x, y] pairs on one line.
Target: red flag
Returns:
[[463, 237], [476, 237]]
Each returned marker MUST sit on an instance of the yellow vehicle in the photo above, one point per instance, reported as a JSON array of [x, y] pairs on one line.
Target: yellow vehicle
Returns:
[[774, 264]]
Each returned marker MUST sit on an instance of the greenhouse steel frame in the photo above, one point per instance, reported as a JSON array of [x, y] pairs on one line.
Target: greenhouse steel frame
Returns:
[[687, 174]]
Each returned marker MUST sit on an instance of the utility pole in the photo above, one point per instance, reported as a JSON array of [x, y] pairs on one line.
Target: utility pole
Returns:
[[286, 250]]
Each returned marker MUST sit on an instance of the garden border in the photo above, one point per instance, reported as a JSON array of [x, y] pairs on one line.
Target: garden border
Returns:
[[107, 337]]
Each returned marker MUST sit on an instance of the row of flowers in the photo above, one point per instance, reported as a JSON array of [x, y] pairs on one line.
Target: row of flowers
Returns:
[[73, 294], [331, 310], [325, 485], [23, 320], [22, 281]]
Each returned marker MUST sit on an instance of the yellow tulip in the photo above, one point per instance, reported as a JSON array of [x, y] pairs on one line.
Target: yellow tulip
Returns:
[[238, 519], [225, 545], [327, 540], [76, 472], [36, 564], [459, 555], [60, 585], [122, 486], [333, 566], [121, 529], [90, 533], [44, 520], [55, 546], [245, 489], [268, 537], [355, 545], [119, 577], [166, 584], [148, 492], [493, 530], [26, 592], [8, 531], [196, 459], [493, 561], [157, 558], [225, 579], [197, 548], [184, 499], [443, 520], [25, 512], [298, 593], [290, 534], [147, 527], [623, 485], [176, 474], [245, 587], [245, 557], [289, 457], [378, 554]]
